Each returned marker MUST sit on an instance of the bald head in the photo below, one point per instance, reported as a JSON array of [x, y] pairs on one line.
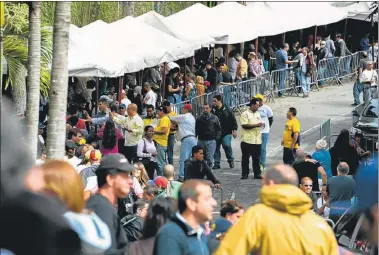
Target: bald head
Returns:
[[168, 172], [132, 109], [280, 174], [343, 168], [300, 153]]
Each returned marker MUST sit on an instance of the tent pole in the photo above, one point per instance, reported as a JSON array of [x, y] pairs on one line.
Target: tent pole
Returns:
[[284, 38], [301, 38], [193, 64], [227, 54], [119, 89], [256, 46], [185, 70], [373, 38], [214, 58], [345, 30], [97, 93], [164, 80], [315, 38]]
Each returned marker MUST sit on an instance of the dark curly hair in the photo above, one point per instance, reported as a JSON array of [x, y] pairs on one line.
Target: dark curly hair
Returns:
[[109, 137]]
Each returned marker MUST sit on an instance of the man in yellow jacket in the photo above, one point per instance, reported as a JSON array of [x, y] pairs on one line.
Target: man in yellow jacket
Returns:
[[282, 223]]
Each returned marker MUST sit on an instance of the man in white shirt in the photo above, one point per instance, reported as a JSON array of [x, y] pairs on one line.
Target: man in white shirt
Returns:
[[124, 99], [133, 126], [150, 97], [268, 118], [186, 134], [369, 78]]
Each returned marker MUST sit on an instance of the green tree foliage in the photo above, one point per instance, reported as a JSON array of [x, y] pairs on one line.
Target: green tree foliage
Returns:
[[15, 46]]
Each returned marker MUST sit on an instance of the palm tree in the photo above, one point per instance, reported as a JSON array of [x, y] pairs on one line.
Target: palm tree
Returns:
[[15, 51], [56, 128], [34, 69]]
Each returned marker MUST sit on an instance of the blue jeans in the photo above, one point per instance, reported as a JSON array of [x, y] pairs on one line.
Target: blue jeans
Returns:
[[265, 65], [161, 158], [321, 75], [209, 147], [227, 91], [305, 86], [282, 81], [185, 153], [174, 99], [264, 149], [357, 90], [170, 149], [226, 143]]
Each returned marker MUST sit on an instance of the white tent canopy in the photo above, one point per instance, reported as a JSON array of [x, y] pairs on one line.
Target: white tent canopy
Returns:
[[159, 22], [356, 10], [124, 46], [280, 17]]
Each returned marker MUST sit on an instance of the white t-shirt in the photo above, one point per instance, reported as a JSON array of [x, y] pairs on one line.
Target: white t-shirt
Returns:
[[266, 112], [150, 98], [126, 101], [320, 202], [369, 76]]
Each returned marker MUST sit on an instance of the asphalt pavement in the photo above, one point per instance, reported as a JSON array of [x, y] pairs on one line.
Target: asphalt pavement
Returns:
[[332, 102]]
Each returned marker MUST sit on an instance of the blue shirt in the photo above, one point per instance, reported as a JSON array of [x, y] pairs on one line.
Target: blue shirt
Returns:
[[173, 240], [323, 157], [365, 44], [281, 59]]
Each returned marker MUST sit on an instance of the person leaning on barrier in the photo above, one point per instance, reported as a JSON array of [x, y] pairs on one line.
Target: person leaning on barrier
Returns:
[[291, 136], [197, 168], [284, 208]]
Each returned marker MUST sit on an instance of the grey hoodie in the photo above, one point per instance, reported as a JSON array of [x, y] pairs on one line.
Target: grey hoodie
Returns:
[[330, 46]]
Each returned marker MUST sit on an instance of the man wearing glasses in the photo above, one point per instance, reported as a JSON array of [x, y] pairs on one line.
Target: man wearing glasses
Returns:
[[306, 185]]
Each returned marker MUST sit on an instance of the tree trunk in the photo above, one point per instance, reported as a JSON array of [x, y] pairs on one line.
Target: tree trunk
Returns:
[[19, 96], [157, 7], [56, 129], [34, 70], [128, 8]]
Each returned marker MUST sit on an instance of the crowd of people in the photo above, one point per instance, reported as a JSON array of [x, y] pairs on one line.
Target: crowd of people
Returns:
[[117, 190]]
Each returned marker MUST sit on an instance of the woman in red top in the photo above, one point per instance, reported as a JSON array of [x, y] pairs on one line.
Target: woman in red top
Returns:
[[109, 135]]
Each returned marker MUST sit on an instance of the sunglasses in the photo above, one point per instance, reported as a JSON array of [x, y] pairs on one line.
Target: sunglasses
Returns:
[[308, 185]]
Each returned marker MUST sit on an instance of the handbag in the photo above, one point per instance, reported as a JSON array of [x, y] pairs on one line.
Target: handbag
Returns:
[[144, 161]]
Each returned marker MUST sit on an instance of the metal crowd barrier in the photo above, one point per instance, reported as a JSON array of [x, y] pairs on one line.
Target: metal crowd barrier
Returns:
[[326, 130], [177, 108], [277, 82]]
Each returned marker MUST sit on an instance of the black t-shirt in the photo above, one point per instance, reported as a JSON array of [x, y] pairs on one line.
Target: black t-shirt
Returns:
[[170, 81], [107, 213], [307, 169], [227, 77]]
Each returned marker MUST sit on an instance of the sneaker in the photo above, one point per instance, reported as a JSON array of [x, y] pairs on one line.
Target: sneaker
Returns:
[[258, 177], [216, 167], [231, 164], [355, 104]]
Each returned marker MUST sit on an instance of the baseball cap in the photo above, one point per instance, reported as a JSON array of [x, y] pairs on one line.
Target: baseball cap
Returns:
[[123, 92], [220, 226], [367, 185], [94, 155], [161, 181], [188, 107], [115, 161], [259, 96], [207, 83], [123, 106]]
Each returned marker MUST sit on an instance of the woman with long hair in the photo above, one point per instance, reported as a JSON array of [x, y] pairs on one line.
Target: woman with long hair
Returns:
[[109, 135], [140, 173], [160, 210], [342, 151], [254, 66], [63, 183], [147, 152]]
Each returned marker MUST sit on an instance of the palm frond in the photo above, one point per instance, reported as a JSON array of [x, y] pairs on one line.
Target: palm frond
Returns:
[[16, 73], [16, 51]]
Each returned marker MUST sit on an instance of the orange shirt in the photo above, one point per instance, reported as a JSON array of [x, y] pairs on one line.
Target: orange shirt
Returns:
[[200, 89]]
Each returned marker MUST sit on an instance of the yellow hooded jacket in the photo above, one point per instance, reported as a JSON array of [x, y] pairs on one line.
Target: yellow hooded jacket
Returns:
[[281, 225]]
